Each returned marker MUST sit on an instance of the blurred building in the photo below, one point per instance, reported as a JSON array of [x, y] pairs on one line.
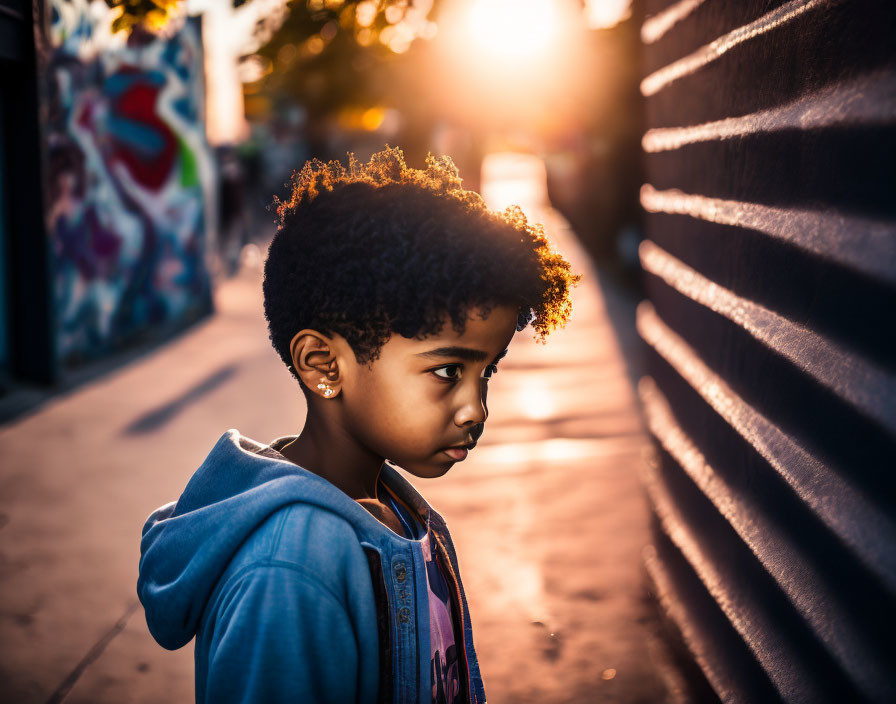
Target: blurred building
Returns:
[[107, 205]]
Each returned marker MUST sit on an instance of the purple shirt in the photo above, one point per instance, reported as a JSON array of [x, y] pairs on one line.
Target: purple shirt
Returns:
[[443, 647]]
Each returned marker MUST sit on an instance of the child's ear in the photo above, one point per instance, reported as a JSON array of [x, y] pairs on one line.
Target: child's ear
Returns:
[[314, 359]]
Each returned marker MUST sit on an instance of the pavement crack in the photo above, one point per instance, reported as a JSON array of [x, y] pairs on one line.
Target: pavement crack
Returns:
[[92, 655]]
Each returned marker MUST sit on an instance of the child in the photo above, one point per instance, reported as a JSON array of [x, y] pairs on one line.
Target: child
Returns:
[[308, 569]]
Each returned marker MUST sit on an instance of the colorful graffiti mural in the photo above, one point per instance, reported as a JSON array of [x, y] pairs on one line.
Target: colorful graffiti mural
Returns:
[[130, 179]]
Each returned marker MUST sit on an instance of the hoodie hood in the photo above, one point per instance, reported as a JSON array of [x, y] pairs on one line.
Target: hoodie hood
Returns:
[[188, 544]]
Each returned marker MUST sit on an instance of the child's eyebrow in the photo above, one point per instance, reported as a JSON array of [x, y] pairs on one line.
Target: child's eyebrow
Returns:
[[467, 353]]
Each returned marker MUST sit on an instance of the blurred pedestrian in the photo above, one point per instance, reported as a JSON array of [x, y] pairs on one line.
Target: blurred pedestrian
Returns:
[[234, 222]]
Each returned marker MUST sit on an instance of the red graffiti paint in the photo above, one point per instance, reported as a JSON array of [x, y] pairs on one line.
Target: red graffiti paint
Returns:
[[139, 138]]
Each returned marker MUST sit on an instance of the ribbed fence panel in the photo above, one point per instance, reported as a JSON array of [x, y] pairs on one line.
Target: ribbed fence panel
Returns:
[[770, 266]]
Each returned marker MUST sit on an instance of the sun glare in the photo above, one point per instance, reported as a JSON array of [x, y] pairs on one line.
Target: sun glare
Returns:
[[513, 29]]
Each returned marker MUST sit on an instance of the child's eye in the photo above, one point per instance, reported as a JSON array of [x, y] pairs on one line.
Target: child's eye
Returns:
[[490, 371], [451, 371]]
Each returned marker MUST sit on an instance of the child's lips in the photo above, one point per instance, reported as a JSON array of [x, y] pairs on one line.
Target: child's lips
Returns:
[[456, 453]]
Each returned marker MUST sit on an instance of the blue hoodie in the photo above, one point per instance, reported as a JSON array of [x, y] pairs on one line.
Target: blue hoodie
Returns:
[[294, 592]]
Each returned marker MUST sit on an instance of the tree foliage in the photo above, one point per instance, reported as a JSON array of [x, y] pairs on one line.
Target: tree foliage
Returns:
[[152, 14], [329, 54], [323, 55], [394, 23]]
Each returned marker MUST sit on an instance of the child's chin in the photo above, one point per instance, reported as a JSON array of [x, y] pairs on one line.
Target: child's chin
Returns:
[[431, 470]]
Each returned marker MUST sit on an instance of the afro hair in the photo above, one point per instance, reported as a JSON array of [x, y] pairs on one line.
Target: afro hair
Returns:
[[380, 248]]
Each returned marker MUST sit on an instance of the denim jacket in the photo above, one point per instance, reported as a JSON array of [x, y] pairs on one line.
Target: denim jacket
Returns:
[[293, 591]]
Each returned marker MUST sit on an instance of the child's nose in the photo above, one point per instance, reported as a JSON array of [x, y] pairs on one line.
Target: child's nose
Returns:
[[473, 409]]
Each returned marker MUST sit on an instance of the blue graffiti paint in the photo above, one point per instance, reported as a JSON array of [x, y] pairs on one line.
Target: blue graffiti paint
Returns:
[[129, 175]]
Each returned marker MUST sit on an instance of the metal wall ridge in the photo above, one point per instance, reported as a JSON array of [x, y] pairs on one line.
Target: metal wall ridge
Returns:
[[864, 244], [730, 581], [687, 28], [728, 666], [866, 100], [655, 27], [857, 381], [691, 63], [769, 263], [823, 608], [870, 532]]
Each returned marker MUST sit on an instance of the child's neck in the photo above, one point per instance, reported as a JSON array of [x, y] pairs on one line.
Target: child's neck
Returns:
[[325, 448]]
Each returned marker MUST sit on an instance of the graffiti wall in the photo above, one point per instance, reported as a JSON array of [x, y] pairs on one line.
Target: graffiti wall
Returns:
[[129, 179]]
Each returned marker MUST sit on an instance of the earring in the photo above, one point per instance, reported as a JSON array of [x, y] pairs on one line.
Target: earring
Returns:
[[326, 389]]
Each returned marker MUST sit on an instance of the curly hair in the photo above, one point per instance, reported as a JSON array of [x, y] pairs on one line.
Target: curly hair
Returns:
[[381, 248]]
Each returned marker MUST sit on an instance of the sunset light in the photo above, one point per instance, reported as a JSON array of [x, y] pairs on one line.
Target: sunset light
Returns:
[[513, 29]]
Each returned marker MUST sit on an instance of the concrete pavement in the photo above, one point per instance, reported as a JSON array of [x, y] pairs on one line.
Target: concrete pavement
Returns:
[[547, 513]]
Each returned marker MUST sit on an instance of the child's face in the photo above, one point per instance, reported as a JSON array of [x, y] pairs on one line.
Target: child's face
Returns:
[[420, 397]]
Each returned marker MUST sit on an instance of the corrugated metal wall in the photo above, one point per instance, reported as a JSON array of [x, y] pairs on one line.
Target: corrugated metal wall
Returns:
[[770, 264]]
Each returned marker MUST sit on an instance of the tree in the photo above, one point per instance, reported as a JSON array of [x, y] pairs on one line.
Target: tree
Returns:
[[394, 23], [152, 14], [324, 55], [327, 53]]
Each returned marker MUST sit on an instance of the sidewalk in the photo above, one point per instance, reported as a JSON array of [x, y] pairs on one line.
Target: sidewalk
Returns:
[[547, 513]]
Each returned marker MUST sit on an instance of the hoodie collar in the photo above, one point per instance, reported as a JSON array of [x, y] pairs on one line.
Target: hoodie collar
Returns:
[[187, 545]]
